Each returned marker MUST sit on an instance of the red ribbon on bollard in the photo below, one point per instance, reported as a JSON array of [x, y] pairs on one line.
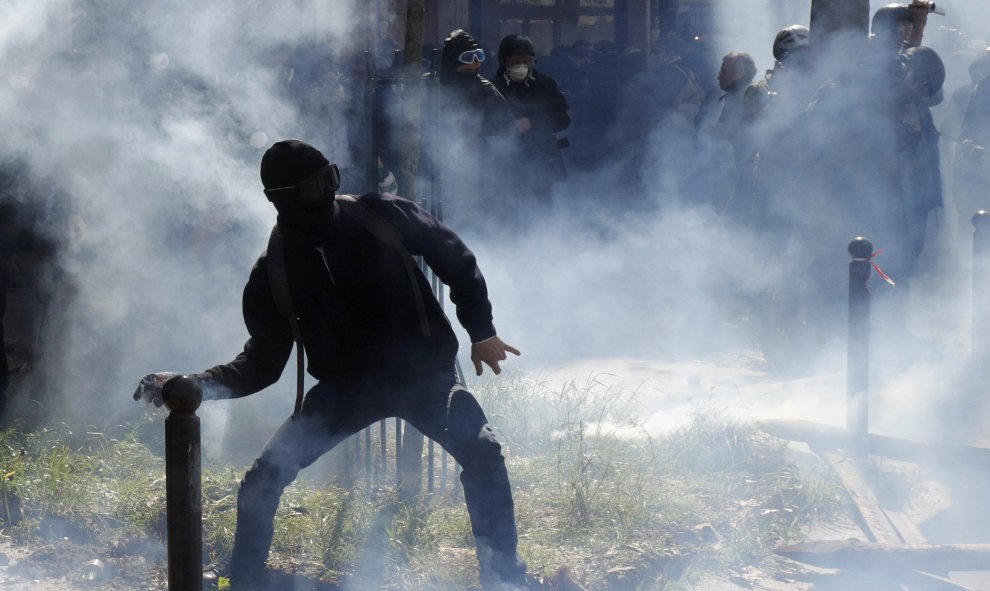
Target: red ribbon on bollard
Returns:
[[880, 271]]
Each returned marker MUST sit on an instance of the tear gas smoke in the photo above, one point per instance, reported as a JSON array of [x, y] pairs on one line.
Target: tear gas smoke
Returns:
[[152, 120], [155, 124]]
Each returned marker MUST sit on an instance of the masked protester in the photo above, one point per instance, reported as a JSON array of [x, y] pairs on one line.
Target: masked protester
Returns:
[[376, 341], [539, 112], [460, 121]]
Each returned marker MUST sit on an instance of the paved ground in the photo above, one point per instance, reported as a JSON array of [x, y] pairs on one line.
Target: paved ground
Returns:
[[946, 505]]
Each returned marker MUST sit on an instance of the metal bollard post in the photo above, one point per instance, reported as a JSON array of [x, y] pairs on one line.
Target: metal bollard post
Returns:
[[980, 339], [183, 486], [858, 361]]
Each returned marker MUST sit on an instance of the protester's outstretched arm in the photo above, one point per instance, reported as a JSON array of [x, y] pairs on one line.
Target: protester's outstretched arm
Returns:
[[267, 350], [258, 366]]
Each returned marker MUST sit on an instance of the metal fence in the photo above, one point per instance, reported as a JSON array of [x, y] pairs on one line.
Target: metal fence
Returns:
[[369, 452]]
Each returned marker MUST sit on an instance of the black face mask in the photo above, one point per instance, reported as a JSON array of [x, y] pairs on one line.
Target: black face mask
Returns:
[[309, 224], [305, 210]]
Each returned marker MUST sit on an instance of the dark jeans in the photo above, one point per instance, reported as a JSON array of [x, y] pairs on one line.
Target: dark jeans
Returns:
[[438, 407]]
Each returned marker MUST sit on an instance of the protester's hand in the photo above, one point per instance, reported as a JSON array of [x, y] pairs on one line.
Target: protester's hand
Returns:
[[490, 352], [150, 387], [524, 124]]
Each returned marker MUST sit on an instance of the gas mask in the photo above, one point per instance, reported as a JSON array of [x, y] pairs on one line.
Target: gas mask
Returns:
[[305, 210], [518, 72]]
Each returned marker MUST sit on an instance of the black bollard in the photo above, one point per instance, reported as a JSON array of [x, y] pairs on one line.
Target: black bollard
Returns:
[[980, 319], [858, 362], [183, 487]]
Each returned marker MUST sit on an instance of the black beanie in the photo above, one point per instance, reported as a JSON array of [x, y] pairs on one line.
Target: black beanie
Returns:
[[288, 162]]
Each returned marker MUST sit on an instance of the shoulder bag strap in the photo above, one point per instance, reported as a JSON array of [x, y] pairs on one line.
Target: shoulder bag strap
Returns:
[[279, 281]]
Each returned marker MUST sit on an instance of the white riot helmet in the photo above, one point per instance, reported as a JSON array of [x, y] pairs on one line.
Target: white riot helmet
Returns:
[[794, 37]]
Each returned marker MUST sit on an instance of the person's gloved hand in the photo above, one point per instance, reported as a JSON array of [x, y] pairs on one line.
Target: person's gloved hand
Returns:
[[150, 387]]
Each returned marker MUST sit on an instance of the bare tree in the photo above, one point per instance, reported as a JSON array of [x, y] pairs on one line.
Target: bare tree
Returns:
[[411, 457]]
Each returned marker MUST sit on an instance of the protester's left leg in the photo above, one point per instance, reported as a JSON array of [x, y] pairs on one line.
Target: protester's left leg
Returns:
[[450, 415]]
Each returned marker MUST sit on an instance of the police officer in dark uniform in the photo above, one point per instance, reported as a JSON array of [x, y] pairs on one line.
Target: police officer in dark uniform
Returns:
[[539, 112], [376, 340]]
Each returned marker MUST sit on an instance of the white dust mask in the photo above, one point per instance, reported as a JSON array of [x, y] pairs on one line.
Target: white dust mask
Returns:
[[518, 72]]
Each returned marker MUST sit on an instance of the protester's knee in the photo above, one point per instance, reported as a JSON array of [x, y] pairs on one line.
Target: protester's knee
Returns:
[[482, 451], [472, 439], [488, 442], [264, 481]]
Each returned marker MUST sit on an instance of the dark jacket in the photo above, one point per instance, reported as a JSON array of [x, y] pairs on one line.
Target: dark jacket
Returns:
[[538, 99], [471, 105], [356, 307]]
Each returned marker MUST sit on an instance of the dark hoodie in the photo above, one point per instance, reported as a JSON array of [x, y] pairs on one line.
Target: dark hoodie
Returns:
[[538, 99]]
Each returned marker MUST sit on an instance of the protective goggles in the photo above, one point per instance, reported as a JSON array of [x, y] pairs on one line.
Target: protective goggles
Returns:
[[469, 57], [316, 187]]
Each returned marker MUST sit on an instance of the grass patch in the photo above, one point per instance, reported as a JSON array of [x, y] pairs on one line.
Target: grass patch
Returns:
[[623, 508]]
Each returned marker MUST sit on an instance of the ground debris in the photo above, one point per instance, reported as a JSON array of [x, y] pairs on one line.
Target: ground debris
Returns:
[[563, 580]]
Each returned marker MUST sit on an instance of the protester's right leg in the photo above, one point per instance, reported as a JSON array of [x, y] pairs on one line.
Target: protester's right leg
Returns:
[[328, 417]]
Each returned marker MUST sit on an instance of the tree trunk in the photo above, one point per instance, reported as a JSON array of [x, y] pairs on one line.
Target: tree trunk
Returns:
[[839, 29], [831, 16], [411, 459], [412, 100]]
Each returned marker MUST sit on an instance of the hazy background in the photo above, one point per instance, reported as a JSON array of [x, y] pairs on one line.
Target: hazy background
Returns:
[[156, 126]]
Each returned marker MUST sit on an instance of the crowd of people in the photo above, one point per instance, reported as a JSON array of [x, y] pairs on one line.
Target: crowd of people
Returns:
[[832, 142]]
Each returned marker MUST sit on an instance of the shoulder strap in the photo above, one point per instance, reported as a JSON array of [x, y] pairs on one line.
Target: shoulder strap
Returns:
[[384, 231], [279, 281]]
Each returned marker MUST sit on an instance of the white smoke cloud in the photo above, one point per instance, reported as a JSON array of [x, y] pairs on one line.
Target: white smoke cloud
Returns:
[[153, 120]]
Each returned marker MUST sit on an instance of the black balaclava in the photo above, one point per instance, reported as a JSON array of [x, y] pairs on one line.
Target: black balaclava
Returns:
[[285, 164]]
